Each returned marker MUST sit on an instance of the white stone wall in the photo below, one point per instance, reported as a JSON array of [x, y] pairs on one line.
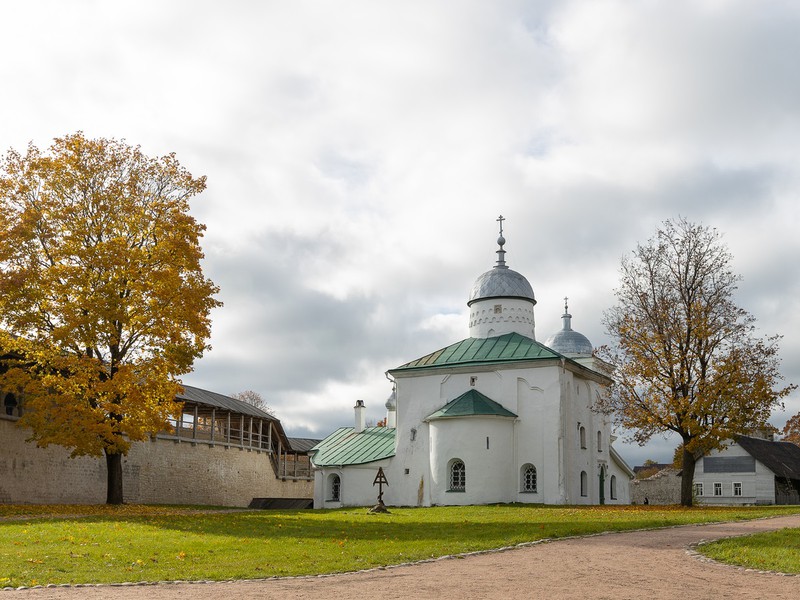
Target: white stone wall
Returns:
[[356, 486], [623, 487], [661, 488], [154, 472], [485, 445], [498, 316]]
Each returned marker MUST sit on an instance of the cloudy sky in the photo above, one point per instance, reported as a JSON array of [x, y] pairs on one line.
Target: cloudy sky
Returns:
[[359, 152]]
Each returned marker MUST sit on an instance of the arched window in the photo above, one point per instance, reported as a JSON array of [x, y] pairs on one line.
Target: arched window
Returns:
[[458, 476], [599, 441], [528, 476], [583, 437], [613, 486], [335, 488], [584, 486]]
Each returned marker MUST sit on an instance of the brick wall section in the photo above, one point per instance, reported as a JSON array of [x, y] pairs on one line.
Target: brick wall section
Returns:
[[154, 472]]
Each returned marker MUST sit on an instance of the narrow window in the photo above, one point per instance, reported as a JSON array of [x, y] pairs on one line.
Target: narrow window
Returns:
[[717, 489], [528, 478], [336, 488], [698, 489], [458, 476], [599, 441], [613, 486], [737, 488], [583, 437], [487, 442], [584, 481], [473, 380]]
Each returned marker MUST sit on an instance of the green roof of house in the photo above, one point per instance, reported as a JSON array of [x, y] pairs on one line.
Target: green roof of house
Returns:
[[471, 404], [511, 347], [346, 447]]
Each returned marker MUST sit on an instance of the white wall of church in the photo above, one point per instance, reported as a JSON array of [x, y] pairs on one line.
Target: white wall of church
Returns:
[[355, 486], [484, 444], [552, 404], [498, 316], [539, 436], [621, 491]]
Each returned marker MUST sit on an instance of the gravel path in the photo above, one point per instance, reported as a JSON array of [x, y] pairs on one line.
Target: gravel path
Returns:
[[642, 564]]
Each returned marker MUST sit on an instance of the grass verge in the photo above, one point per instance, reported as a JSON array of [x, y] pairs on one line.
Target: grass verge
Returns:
[[139, 543], [773, 551]]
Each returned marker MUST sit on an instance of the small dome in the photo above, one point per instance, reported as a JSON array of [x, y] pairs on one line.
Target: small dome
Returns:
[[391, 402], [568, 341]]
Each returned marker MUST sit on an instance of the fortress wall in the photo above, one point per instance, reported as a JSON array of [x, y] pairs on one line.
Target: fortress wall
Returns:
[[154, 472]]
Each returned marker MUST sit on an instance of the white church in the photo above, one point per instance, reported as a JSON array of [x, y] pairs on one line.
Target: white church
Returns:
[[496, 417]]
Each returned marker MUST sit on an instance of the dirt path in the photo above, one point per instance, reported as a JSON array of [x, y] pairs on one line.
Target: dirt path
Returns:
[[645, 564]]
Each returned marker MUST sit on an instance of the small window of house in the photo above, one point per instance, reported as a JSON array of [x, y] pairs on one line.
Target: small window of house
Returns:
[[698, 489], [528, 479], [498, 308], [717, 489], [613, 486], [584, 484], [583, 437], [599, 441], [458, 476], [737, 488]]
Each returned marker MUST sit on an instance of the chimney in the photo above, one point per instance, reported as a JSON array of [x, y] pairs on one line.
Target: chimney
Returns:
[[360, 415]]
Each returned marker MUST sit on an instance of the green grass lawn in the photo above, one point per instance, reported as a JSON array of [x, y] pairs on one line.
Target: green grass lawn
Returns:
[[774, 551], [44, 545]]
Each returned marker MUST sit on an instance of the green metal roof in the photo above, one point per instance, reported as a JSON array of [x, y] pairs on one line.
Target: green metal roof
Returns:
[[471, 404], [346, 447], [511, 347]]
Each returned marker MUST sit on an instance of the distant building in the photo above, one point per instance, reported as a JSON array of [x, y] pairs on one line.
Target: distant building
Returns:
[[496, 417], [749, 470]]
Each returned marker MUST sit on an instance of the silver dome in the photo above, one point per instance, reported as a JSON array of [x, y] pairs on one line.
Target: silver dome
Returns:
[[391, 402], [501, 282], [568, 341]]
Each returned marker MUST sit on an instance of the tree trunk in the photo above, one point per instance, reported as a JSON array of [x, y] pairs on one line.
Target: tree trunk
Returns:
[[687, 478], [114, 489]]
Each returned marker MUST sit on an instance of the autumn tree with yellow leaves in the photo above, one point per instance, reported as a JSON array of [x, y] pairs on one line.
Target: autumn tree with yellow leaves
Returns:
[[684, 356], [103, 303], [791, 430]]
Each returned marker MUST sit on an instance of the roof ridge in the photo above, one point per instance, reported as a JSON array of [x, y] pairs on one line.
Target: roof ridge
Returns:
[[484, 351]]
